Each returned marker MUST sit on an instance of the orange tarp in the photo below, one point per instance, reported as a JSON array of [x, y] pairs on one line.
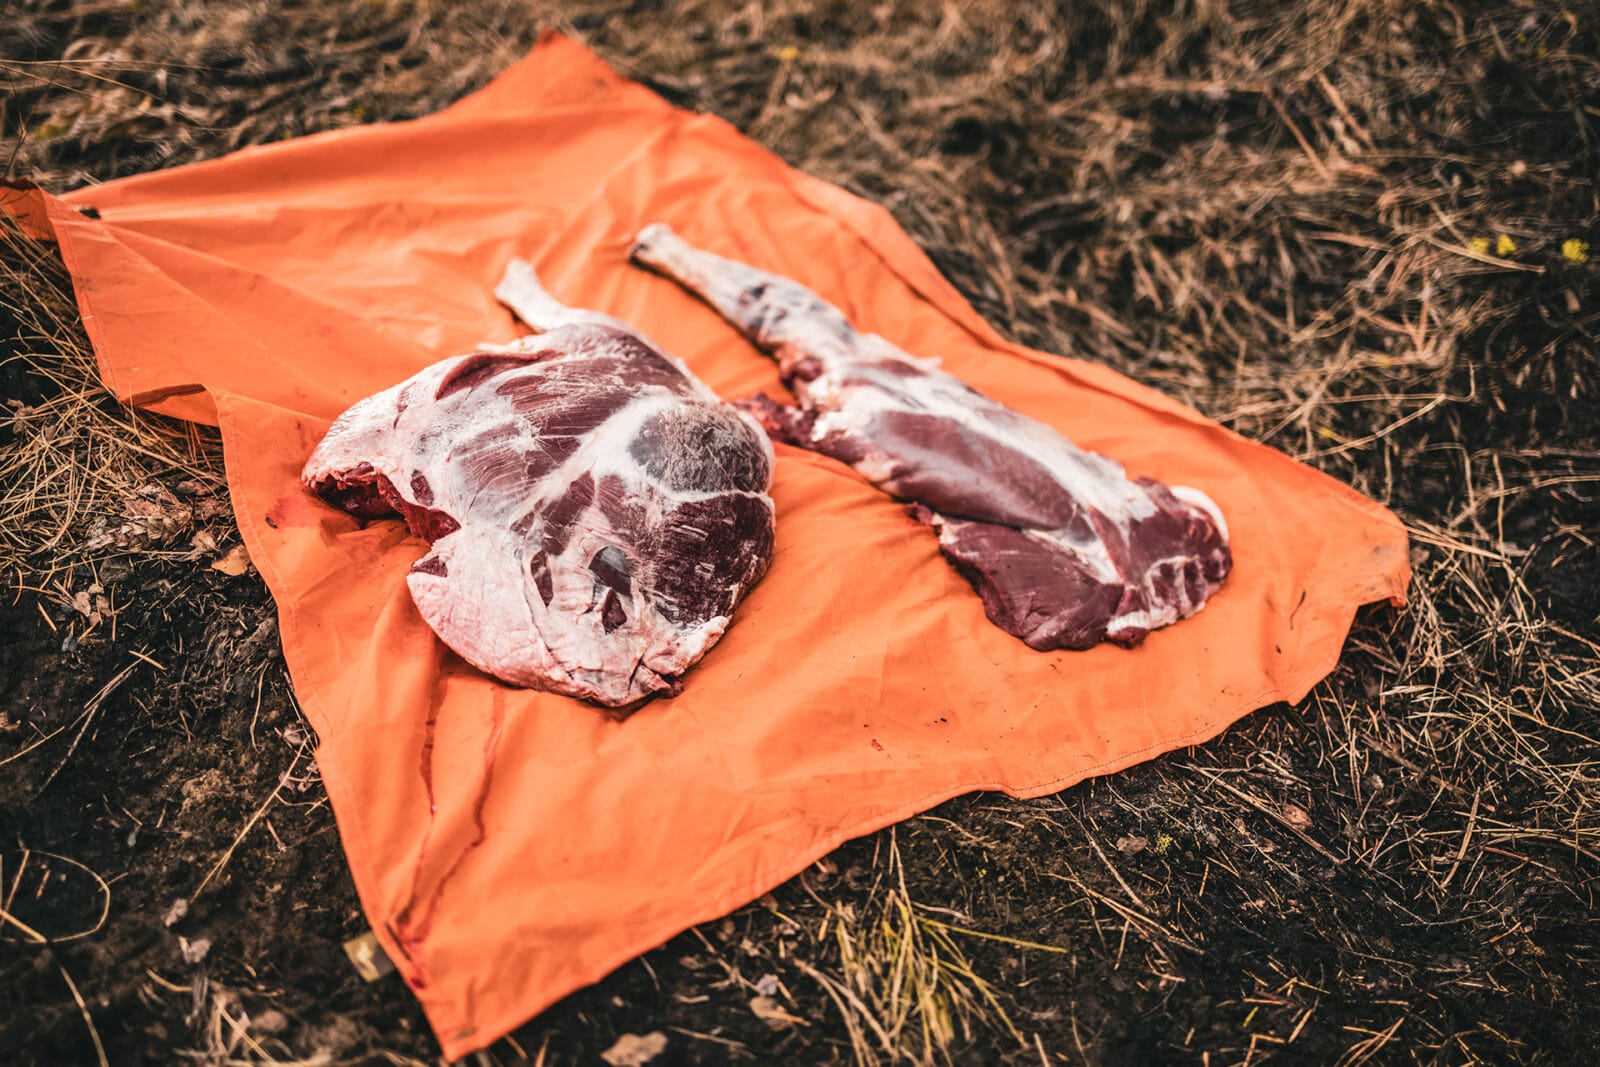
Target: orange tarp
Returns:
[[511, 846]]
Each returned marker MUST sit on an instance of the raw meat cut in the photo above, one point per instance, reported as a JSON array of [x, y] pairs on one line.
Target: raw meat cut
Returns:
[[1063, 547], [595, 511]]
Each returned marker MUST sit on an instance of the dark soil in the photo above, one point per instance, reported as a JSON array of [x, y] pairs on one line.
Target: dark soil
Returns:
[[1259, 208]]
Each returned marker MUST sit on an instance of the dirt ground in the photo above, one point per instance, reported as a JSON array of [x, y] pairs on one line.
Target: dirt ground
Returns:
[[1357, 230]]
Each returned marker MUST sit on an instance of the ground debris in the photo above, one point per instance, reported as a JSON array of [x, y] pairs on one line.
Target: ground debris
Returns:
[[771, 1012], [200, 789], [193, 952], [92, 604], [634, 1050], [153, 517], [1296, 816], [367, 956], [203, 543], [234, 562]]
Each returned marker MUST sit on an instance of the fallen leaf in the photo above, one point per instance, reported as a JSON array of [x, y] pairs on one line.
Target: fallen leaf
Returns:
[[1296, 816], [632, 1050], [769, 1011], [1130, 845], [271, 1021], [203, 543], [175, 912], [194, 951], [92, 604], [235, 562], [368, 957]]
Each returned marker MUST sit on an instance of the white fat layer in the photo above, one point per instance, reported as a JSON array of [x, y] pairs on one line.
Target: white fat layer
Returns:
[[1196, 498], [1089, 550]]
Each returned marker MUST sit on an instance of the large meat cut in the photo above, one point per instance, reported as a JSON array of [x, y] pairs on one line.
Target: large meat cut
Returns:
[[1063, 547], [595, 512]]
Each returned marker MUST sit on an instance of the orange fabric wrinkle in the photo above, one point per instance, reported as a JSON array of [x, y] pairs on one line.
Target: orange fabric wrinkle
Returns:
[[859, 683]]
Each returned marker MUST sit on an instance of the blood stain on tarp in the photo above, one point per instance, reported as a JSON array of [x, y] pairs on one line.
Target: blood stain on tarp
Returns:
[[497, 723], [409, 944], [295, 508], [412, 933], [430, 733]]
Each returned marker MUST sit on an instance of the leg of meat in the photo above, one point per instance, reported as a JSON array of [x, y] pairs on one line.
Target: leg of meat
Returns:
[[1063, 547], [595, 512], [779, 316]]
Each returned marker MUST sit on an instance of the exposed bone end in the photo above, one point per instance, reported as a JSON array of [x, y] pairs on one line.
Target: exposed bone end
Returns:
[[647, 246], [522, 292], [519, 278]]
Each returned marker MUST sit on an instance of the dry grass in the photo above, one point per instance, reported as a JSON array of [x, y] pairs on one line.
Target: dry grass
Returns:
[[903, 986], [85, 478], [1289, 215]]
